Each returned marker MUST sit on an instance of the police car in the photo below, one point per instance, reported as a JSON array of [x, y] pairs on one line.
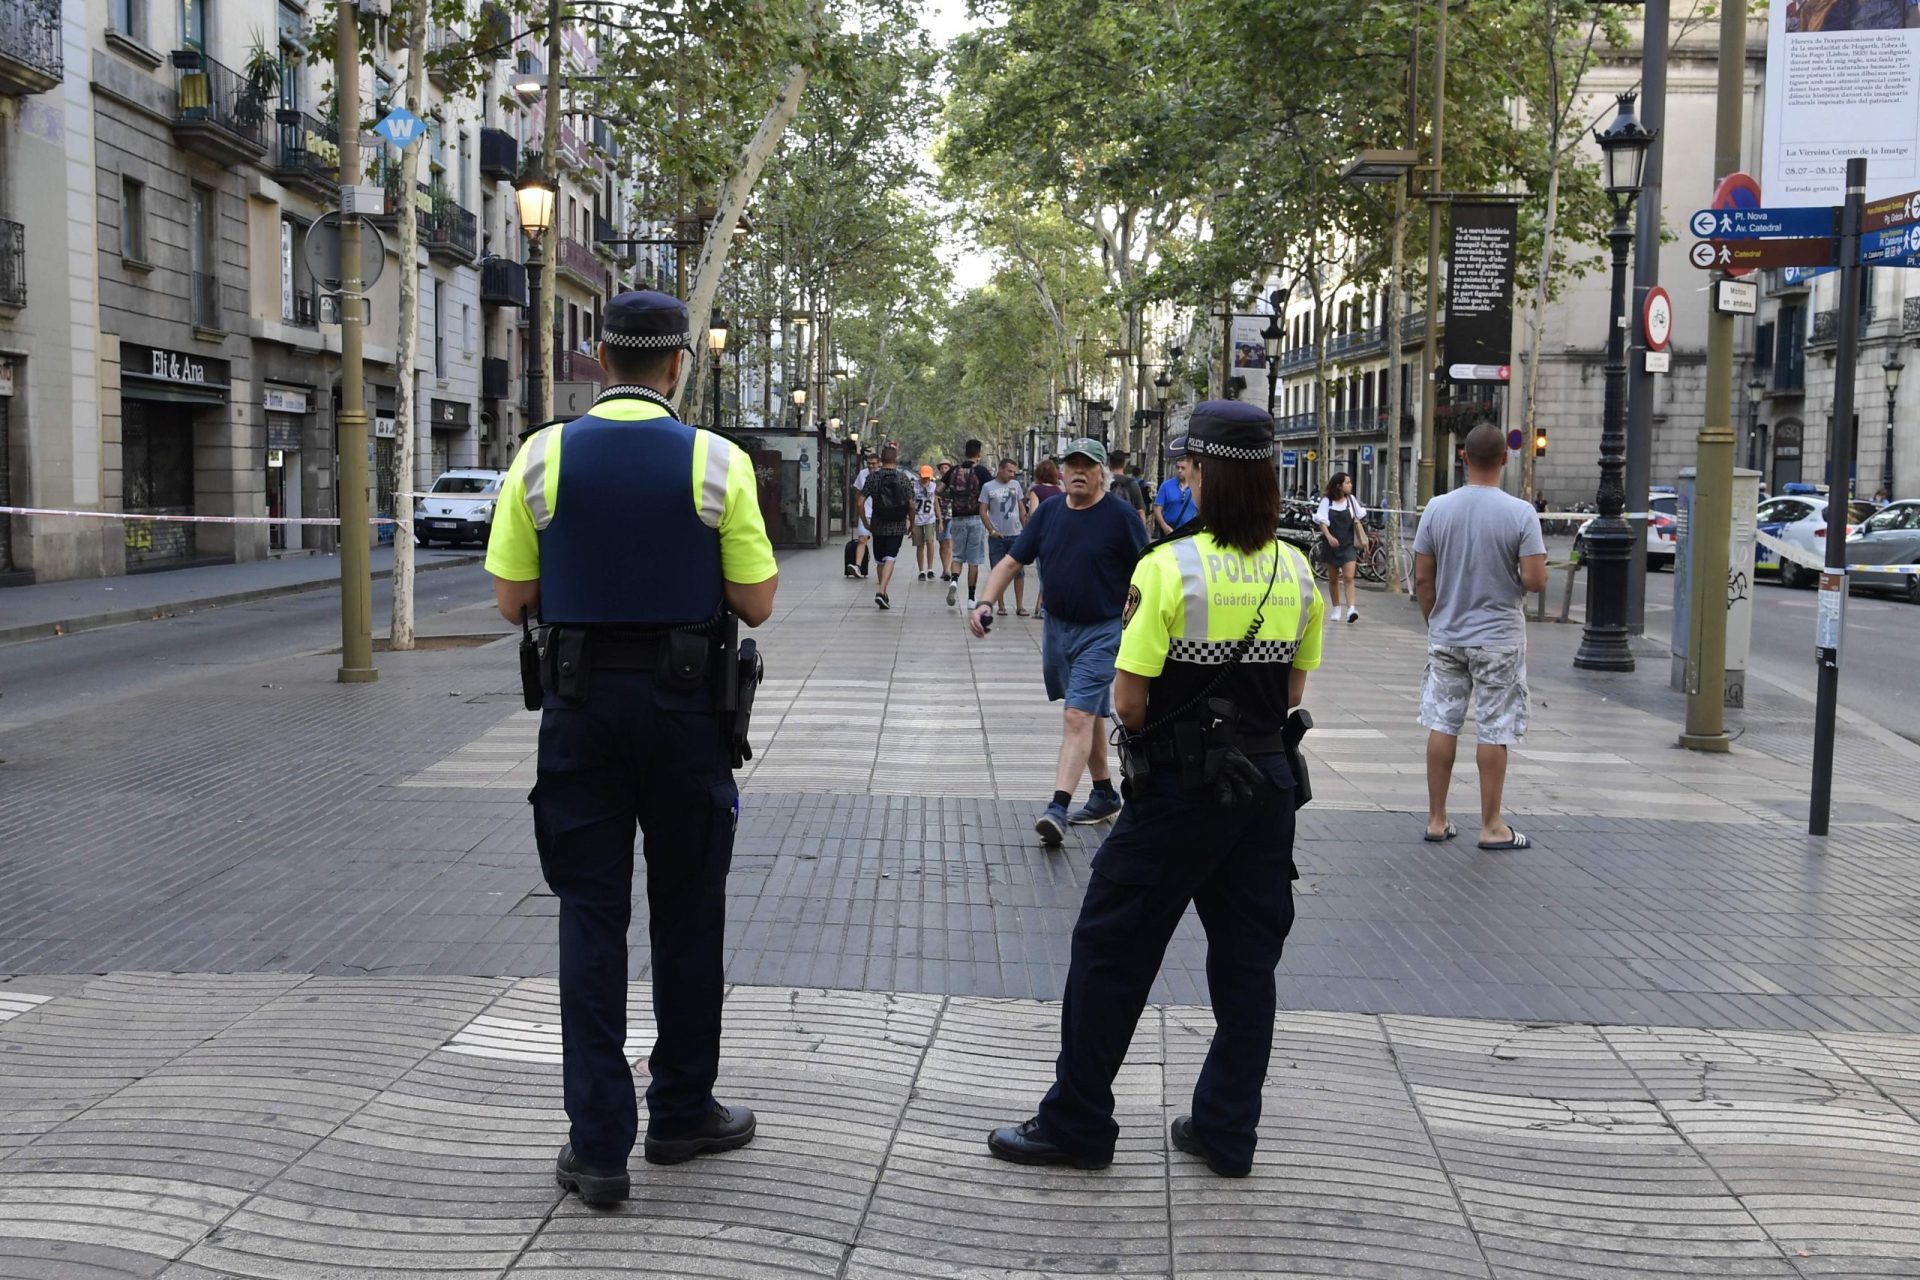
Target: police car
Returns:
[[459, 508], [1663, 501], [1798, 517]]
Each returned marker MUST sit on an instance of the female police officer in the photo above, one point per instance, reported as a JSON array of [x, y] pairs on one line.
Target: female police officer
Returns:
[[1221, 627]]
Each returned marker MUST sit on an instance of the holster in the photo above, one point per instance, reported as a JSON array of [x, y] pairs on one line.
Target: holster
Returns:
[[1219, 734], [563, 668], [682, 664], [530, 686], [1136, 759], [741, 672], [1298, 722]]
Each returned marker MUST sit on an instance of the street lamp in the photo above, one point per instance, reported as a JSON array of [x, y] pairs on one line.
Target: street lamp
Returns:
[[1273, 335], [1891, 368], [1609, 539], [799, 408], [1756, 389], [533, 196], [716, 346]]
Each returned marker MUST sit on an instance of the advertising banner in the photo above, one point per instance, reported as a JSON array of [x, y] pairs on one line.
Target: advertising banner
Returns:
[[1250, 357], [1843, 79], [1479, 335]]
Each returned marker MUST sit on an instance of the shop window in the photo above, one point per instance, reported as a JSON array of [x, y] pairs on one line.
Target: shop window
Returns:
[[133, 220], [156, 457]]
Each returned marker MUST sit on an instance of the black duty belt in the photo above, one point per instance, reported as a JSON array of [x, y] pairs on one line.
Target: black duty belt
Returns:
[[621, 648], [1161, 748]]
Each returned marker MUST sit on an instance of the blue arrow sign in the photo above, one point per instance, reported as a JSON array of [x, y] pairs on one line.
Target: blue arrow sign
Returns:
[[1796, 275], [1881, 247], [1891, 258], [1288, 458], [401, 127], [1758, 224]]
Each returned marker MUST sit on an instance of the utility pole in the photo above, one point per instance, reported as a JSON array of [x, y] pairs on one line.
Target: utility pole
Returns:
[[1395, 281], [350, 435], [1646, 274], [1710, 523], [549, 282], [1430, 352]]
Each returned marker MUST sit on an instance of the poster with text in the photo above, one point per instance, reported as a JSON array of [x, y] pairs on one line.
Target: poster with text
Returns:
[[1843, 80], [1480, 258], [1250, 357]]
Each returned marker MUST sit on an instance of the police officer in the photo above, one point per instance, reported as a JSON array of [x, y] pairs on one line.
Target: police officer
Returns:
[[631, 535], [1221, 626]]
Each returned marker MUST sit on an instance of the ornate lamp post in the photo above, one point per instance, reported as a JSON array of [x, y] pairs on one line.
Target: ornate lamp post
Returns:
[[534, 196], [716, 346], [1891, 368], [799, 408], [1756, 389], [1603, 643]]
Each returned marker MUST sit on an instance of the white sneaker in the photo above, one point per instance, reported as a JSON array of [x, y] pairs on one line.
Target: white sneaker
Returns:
[[953, 591], [972, 604]]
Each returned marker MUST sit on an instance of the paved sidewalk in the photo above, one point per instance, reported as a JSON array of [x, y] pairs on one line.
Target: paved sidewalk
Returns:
[[50, 608], [279, 1126]]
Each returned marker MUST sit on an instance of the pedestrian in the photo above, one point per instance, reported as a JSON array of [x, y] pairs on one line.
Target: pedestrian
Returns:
[[1477, 554], [928, 529], [889, 497], [1221, 626], [1046, 484], [629, 728], [967, 524], [1087, 542], [1128, 487], [1342, 522], [1000, 500], [862, 535], [1174, 504]]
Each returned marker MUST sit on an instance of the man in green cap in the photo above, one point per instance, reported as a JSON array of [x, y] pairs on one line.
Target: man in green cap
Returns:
[[1087, 541]]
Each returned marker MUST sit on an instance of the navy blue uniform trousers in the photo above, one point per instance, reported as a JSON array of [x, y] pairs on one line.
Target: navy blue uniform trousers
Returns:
[[629, 754], [1168, 849]]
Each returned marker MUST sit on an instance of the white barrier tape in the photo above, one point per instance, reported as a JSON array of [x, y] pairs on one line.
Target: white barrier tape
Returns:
[[1807, 560], [1544, 515], [142, 515]]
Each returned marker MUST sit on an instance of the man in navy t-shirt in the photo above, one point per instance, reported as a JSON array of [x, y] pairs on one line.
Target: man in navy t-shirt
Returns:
[[1087, 541], [1173, 503]]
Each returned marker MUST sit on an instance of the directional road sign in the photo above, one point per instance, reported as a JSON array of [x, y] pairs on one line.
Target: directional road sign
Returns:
[[1754, 224], [1288, 458], [1800, 275], [1877, 247], [1894, 211], [1891, 258], [1744, 255], [401, 127]]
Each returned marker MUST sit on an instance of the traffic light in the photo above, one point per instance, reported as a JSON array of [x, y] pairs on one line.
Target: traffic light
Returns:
[[1540, 442]]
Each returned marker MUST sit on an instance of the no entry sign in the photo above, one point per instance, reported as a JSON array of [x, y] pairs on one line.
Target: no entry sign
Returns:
[[1656, 319]]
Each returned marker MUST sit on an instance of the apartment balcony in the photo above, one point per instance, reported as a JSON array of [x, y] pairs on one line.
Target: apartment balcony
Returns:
[[578, 262], [1362, 342], [1297, 359], [496, 380], [1291, 425], [575, 366], [308, 159], [30, 52], [13, 264], [499, 155], [440, 66], [221, 114], [204, 301], [503, 283], [450, 232]]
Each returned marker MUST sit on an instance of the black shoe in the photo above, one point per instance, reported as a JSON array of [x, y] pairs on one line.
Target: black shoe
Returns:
[[1018, 1144], [595, 1186], [880, 598], [1185, 1140], [725, 1129]]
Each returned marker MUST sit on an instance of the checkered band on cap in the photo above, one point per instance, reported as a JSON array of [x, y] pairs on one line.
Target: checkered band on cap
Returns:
[[1243, 453], [644, 341]]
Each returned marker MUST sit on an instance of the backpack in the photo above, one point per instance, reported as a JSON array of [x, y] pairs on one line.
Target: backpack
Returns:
[[963, 490], [892, 498]]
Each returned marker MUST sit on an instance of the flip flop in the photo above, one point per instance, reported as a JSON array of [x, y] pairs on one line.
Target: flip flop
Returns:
[[1449, 834], [1023, 613], [1519, 841]]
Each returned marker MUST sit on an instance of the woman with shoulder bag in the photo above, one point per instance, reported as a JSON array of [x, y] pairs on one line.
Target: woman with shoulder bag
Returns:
[[1342, 522]]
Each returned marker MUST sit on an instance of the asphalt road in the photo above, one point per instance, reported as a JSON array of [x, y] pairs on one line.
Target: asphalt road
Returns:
[[44, 678]]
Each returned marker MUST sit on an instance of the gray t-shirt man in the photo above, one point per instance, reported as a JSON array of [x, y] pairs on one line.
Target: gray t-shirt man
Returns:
[[1003, 506], [1476, 536]]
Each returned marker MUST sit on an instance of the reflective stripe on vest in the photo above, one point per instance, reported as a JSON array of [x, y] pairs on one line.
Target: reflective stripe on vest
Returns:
[[1195, 590], [712, 459], [536, 476]]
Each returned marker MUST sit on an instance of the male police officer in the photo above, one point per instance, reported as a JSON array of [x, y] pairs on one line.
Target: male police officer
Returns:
[[1221, 627], [632, 534]]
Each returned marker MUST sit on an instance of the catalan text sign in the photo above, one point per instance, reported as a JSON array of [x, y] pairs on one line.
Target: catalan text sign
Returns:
[[1479, 333], [1755, 224], [1742, 256], [1894, 211]]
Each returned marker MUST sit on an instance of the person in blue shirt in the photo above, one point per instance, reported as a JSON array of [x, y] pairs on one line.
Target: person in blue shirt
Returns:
[[1173, 503], [1087, 541]]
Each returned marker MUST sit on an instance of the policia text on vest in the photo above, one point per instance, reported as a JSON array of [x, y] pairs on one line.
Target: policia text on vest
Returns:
[[638, 541]]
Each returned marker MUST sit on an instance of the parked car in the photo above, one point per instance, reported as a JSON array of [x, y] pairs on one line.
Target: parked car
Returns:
[[1891, 536], [1664, 503], [459, 508], [1799, 520]]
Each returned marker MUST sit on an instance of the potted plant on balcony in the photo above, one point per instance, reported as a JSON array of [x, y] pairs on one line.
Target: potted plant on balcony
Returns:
[[259, 84]]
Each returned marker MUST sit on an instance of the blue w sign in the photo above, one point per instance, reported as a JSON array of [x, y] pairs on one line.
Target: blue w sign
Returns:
[[401, 127]]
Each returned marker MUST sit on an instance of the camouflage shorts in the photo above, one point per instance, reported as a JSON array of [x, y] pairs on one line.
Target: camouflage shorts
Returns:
[[1496, 680]]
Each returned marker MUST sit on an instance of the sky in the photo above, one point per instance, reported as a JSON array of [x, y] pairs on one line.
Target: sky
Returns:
[[945, 19]]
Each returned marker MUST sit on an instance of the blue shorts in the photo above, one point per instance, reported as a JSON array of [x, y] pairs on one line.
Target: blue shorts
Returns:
[[1077, 658], [997, 550], [969, 540]]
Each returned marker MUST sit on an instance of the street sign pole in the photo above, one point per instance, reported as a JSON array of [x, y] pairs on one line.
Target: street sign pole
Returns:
[[1648, 226], [350, 435], [1840, 443]]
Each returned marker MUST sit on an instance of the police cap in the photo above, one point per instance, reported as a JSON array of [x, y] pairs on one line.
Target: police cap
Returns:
[[1230, 429], [646, 320]]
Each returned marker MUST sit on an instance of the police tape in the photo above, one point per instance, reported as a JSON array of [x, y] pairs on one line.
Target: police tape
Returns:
[[178, 519], [1544, 515], [1808, 560]]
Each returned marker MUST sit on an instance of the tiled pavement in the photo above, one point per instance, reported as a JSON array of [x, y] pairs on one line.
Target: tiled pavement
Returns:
[[320, 1085]]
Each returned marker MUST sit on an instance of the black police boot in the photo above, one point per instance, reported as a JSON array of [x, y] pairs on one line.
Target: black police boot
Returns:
[[1184, 1139], [595, 1186], [1021, 1144], [724, 1129]]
